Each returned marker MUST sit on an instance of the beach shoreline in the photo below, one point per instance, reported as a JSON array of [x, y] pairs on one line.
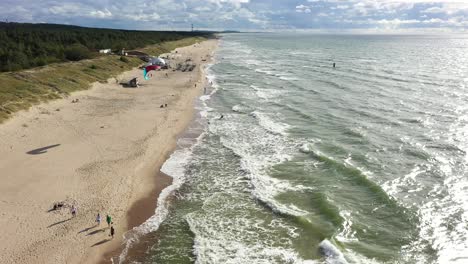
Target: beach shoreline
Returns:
[[103, 153]]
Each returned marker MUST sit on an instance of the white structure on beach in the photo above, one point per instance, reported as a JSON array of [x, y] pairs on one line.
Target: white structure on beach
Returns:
[[105, 51], [157, 61]]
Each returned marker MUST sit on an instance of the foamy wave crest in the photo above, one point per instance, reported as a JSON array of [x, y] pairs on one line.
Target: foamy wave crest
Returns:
[[269, 124], [265, 71], [240, 109], [213, 85], [288, 78], [260, 146], [226, 240], [266, 93], [331, 253], [265, 187]]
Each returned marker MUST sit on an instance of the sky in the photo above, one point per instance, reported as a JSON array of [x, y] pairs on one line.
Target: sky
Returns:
[[247, 15]]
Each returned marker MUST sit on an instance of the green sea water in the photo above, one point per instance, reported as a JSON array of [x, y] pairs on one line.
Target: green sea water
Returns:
[[361, 163]]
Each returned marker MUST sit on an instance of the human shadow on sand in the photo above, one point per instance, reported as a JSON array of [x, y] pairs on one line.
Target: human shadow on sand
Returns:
[[41, 150], [101, 242], [96, 231], [86, 229], [59, 222]]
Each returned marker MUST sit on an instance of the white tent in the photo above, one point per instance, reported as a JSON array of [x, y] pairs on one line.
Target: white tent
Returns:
[[157, 61]]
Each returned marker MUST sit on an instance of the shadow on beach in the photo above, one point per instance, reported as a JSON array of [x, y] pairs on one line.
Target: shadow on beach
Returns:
[[96, 231], [59, 222], [101, 242], [41, 150], [86, 229]]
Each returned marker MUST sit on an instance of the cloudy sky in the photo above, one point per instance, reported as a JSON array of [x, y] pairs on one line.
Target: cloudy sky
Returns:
[[320, 15]]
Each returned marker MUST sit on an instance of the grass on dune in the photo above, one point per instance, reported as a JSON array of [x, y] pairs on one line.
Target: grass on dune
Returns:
[[22, 89]]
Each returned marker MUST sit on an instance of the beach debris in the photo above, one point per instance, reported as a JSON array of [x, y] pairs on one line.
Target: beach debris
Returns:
[[58, 205], [67, 203], [75, 101], [58, 109], [132, 83]]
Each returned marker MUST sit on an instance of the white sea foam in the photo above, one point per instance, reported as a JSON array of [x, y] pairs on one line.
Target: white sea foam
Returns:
[[452, 244], [331, 253], [269, 124], [239, 108], [273, 150], [265, 71], [267, 94], [347, 233], [229, 240], [288, 78]]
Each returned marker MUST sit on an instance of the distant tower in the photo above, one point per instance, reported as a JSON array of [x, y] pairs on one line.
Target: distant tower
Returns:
[[192, 27]]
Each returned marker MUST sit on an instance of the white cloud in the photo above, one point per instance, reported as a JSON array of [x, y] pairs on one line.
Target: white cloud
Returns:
[[242, 14], [434, 10], [303, 9], [101, 14]]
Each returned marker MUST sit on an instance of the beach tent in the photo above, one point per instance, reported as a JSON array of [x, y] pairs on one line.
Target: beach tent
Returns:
[[152, 68], [157, 61], [149, 68]]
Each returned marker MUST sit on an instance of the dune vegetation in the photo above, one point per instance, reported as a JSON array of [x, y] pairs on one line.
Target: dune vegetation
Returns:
[[21, 89]]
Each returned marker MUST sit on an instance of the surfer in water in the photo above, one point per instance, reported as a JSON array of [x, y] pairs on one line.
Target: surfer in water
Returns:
[[334, 64]]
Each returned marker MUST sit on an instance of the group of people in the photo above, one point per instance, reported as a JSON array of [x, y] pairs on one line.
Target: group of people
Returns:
[[109, 223], [74, 210]]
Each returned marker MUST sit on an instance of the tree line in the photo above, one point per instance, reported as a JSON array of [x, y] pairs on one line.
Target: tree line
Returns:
[[25, 45]]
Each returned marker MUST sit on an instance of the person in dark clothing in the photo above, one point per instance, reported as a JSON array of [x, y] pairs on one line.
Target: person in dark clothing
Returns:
[[112, 231]]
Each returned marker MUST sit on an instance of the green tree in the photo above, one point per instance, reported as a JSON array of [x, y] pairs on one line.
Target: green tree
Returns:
[[77, 52]]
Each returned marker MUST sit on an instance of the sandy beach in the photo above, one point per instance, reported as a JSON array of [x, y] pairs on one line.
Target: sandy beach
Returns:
[[101, 154]]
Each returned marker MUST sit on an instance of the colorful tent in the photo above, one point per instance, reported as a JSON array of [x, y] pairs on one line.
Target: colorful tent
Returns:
[[149, 68]]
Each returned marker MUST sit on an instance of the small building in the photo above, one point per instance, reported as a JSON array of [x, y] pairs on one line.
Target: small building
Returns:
[[105, 51]]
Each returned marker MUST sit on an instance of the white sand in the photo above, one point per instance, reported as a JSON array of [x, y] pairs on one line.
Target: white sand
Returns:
[[109, 147]]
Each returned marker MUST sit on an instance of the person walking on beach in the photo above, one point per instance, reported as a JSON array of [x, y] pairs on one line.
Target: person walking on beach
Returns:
[[98, 219], [73, 210], [112, 232], [108, 220]]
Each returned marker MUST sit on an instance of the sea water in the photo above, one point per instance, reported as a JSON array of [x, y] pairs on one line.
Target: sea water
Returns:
[[362, 163]]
